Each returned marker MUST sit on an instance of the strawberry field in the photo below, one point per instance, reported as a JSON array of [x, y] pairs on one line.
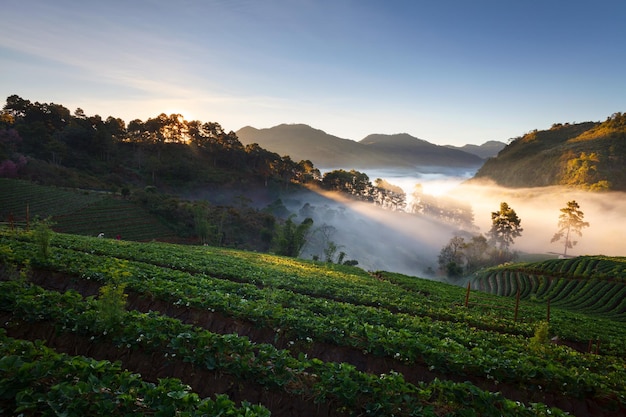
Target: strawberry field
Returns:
[[261, 334], [595, 285], [79, 212]]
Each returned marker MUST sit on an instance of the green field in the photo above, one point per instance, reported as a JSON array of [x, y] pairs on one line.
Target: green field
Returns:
[[79, 212], [595, 285], [306, 338]]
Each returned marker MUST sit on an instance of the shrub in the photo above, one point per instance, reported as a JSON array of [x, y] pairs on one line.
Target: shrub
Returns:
[[43, 235], [541, 337]]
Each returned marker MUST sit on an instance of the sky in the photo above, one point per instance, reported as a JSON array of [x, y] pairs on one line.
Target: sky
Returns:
[[446, 71]]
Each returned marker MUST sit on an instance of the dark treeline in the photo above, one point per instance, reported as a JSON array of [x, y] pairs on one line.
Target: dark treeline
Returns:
[[160, 151], [164, 151]]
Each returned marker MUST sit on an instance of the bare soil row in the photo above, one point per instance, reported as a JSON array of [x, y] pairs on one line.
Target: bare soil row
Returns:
[[207, 383]]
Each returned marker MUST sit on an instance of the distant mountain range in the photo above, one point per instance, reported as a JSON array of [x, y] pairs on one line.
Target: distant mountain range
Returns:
[[589, 155], [302, 142], [486, 150]]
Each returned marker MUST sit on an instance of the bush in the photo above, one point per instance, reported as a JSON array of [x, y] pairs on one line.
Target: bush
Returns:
[[43, 235], [541, 337]]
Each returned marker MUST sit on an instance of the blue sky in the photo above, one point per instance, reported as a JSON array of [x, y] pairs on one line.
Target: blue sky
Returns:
[[450, 72]]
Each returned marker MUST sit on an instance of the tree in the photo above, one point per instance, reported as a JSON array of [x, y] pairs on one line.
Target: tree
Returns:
[[291, 238], [201, 222], [477, 253], [451, 257], [505, 227], [570, 221], [350, 182]]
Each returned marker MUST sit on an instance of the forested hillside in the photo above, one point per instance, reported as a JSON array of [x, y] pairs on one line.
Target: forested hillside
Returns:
[[588, 155]]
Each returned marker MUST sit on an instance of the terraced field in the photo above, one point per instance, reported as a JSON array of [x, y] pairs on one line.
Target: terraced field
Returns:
[[295, 337], [595, 285], [80, 212]]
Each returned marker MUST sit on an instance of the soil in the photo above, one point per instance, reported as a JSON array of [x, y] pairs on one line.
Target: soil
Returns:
[[207, 383]]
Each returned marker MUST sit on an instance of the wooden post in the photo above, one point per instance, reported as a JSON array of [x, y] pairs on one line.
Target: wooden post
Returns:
[[516, 306], [597, 346], [469, 284], [548, 315], [590, 345]]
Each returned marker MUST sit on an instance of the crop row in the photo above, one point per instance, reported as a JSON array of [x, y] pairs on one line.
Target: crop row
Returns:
[[334, 282], [42, 201], [445, 346], [392, 292], [597, 267], [591, 296], [36, 380], [349, 390]]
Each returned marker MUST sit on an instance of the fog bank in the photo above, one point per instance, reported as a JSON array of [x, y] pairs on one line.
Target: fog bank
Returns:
[[395, 241], [378, 239], [539, 211]]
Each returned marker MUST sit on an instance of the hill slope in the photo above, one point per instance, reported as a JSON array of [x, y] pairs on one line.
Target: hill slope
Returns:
[[590, 155], [375, 151], [279, 330]]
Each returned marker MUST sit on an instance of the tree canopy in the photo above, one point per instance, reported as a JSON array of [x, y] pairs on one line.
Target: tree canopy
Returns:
[[570, 222]]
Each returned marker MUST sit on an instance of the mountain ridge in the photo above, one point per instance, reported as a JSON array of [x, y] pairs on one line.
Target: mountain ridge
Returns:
[[303, 142], [487, 150]]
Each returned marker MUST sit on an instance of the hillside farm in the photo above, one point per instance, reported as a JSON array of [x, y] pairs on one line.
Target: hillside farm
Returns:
[[595, 285], [117, 327], [79, 212]]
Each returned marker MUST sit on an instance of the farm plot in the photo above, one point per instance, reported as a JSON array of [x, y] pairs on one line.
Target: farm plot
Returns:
[[450, 347], [113, 217], [17, 196], [594, 285], [306, 386], [79, 212]]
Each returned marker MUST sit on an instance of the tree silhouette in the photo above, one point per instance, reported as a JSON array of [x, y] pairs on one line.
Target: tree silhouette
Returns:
[[505, 227], [570, 221]]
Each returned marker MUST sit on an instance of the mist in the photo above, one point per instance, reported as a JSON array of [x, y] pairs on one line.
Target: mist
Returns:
[[397, 241], [539, 211], [378, 239]]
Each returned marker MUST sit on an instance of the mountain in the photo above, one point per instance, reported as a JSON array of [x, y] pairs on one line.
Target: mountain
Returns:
[[407, 150], [486, 150], [589, 155], [301, 141]]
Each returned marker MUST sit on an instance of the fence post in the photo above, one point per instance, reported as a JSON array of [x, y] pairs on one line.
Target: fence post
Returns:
[[469, 284], [516, 306]]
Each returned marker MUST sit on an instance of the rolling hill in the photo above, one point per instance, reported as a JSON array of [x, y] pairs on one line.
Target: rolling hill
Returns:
[[375, 151], [589, 155]]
